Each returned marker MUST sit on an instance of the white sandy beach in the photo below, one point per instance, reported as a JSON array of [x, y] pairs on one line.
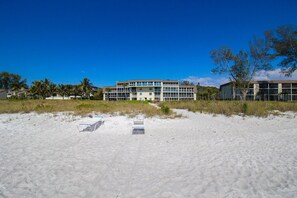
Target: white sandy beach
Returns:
[[44, 155]]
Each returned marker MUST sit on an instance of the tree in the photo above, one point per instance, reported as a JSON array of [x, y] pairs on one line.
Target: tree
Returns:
[[68, 89], [35, 88], [44, 88], [17, 83], [12, 81], [52, 89], [284, 44], [241, 67], [41, 88], [86, 86], [62, 90], [207, 92], [5, 80], [76, 90], [99, 94]]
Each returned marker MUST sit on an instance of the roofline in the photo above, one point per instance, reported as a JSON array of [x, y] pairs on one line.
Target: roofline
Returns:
[[264, 81], [147, 80]]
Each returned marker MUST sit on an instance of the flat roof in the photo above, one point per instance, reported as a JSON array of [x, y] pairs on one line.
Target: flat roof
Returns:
[[147, 80], [265, 81]]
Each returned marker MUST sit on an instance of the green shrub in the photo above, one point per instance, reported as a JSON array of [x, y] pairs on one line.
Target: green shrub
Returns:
[[165, 109], [245, 108]]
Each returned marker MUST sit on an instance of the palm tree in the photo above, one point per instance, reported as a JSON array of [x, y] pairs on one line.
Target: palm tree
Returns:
[[45, 88], [52, 89], [86, 86], [76, 90], [36, 88], [62, 90], [18, 84], [47, 82], [68, 89]]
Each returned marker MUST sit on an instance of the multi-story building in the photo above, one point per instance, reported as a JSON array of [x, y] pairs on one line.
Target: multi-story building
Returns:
[[285, 90], [154, 90]]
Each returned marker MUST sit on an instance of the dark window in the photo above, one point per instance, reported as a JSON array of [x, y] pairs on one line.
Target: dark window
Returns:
[[273, 91], [286, 85], [286, 91], [273, 85], [263, 85]]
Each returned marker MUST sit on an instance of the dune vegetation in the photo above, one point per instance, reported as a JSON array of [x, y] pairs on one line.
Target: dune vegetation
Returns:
[[256, 108], [81, 107]]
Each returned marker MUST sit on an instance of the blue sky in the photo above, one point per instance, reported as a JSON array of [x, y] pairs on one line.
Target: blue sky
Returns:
[[108, 41]]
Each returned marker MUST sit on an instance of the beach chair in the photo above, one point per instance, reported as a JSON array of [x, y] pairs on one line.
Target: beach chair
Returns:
[[138, 126], [90, 124]]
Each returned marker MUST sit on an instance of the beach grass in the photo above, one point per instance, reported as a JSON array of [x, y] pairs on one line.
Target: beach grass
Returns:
[[228, 108], [81, 107]]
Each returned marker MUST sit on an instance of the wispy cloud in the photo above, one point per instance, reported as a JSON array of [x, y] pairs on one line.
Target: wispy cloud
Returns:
[[207, 81], [274, 75], [260, 75]]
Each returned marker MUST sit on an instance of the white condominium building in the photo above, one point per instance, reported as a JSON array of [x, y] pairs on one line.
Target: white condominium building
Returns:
[[154, 90], [284, 90]]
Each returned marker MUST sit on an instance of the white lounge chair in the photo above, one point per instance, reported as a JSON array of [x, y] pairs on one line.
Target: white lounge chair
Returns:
[[90, 124], [138, 126]]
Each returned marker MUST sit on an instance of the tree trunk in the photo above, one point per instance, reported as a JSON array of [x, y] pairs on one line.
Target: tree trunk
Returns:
[[244, 93]]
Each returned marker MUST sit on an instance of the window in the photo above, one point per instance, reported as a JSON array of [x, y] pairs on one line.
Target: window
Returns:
[[273, 85], [286, 91], [286, 85], [150, 94], [157, 83], [132, 84], [263, 85], [140, 93], [273, 91]]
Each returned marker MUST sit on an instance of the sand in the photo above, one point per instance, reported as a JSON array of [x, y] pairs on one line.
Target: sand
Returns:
[[44, 155]]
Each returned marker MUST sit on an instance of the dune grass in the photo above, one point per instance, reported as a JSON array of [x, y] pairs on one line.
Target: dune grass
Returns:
[[256, 108], [83, 107], [80, 107]]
